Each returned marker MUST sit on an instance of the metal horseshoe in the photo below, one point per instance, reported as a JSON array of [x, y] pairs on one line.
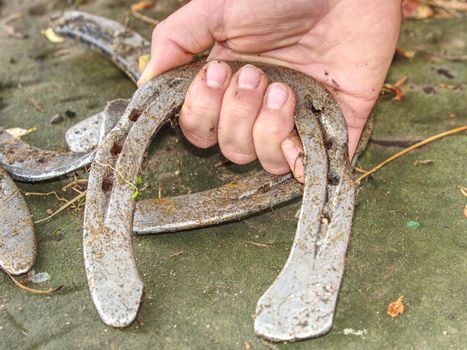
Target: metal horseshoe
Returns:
[[301, 302]]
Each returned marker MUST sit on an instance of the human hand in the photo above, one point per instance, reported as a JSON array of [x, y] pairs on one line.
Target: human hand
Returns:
[[347, 45]]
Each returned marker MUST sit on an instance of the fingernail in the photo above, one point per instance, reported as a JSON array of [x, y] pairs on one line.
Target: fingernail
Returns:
[[277, 96], [248, 78], [216, 74], [145, 76]]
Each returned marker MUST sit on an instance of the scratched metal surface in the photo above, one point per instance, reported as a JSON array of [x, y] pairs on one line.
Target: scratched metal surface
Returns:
[[17, 240], [234, 201], [30, 164], [121, 45]]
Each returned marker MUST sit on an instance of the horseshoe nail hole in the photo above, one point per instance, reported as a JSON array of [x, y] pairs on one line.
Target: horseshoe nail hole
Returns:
[[328, 144], [333, 180], [308, 103], [107, 185], [173, 83], [116, 149], [325, 220], [134, 115]]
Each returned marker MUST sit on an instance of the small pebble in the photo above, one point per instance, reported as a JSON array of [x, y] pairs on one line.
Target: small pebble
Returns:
[[39, 277], [56, 118], [70, 114]]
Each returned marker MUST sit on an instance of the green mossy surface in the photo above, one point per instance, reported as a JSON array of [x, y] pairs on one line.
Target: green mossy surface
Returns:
[[204, 297]]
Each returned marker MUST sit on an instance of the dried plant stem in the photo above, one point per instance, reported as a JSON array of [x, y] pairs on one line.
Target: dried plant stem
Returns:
[[144, 18], [63, 207], [411, 148], [31, 290]]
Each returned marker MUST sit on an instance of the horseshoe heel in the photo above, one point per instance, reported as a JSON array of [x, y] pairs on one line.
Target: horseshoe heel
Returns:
[[17, 241]]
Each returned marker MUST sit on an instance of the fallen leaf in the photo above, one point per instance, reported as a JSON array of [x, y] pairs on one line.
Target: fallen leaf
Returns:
[[405, 53], [247, 345], [52, 36], [143, 61], [142, 5], [465, 211], [396, 308], [18, 132]]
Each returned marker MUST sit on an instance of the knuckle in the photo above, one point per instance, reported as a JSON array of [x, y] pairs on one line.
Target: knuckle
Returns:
[[158, 29], [275, 128]]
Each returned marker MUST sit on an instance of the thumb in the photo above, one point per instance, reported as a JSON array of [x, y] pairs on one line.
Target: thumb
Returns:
[[178, 38]]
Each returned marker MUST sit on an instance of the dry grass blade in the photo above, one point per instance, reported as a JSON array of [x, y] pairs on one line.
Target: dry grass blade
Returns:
[[13, 17], [142, 5], [31, 290], [144, 18], [29, 194], [74, 183], [256, 244], [411, 148], [360, 170]]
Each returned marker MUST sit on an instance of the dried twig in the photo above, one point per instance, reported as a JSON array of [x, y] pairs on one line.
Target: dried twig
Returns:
[[174, 255], [411, 148], [74, 183], [256, 244], [360, 170], [29, 194], [144, 18], [62, 208], [13, 17], [443, 56], [37, 105], [31, 290]]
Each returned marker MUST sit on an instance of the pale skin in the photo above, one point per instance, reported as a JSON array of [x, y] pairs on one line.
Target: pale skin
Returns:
[[347, 45]]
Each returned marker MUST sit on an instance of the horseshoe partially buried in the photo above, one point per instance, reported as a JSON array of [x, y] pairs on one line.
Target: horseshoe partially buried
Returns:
[[301, 301]]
